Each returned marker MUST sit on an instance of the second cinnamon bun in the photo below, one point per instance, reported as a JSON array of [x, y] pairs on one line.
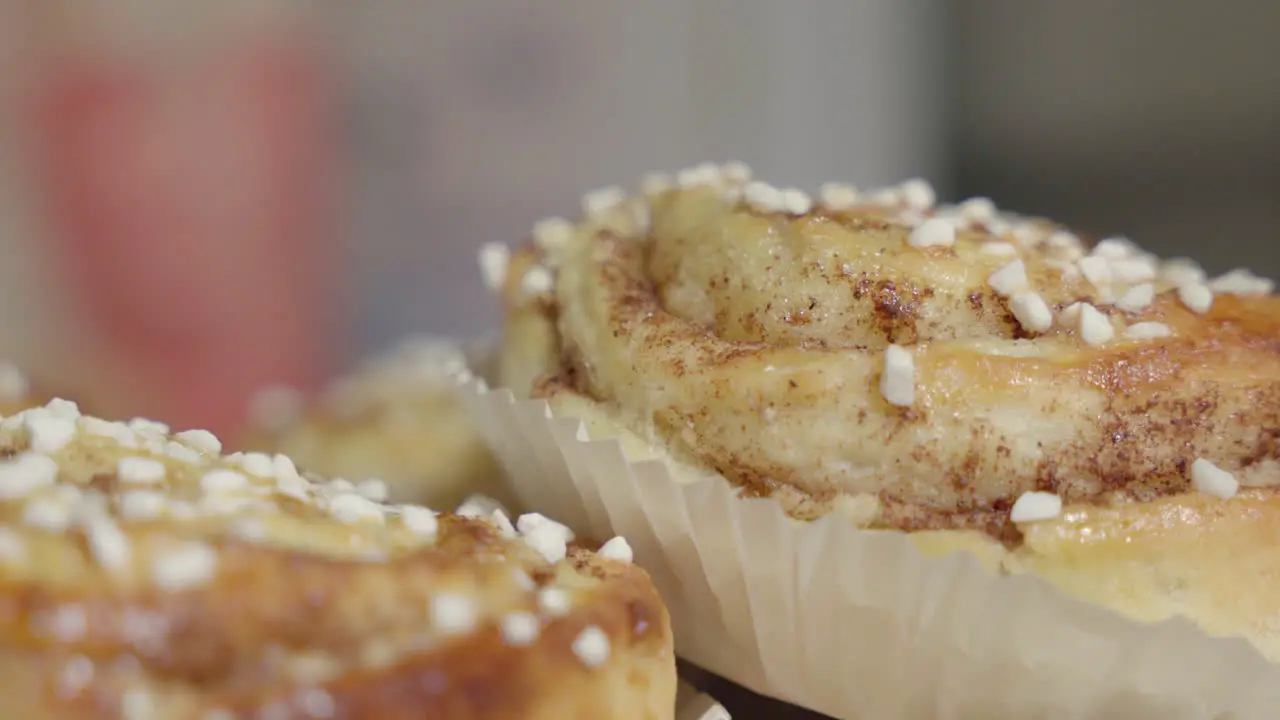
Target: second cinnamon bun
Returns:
[[394, 417], [145, 574]]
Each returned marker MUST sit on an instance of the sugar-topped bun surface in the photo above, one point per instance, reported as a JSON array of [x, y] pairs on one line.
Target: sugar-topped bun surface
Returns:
[[147, 575], [1071, 406], [394, 418]]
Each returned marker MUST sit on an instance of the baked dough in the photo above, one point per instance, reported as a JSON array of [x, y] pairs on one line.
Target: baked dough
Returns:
[[395, 418], [145, 575], [986, 381]]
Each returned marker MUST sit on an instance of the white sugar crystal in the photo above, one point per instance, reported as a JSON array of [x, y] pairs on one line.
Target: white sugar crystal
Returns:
[[495, 258], [351, 507], [140, 470], [763, 197], [373, 489], [978, 209], [419, 520], [143, 504], [918, 194], [222, 480], [530, 522], [1097, 270], [13, 383], [736, 171], [1137, 298], [1213, 480], [49, 433], [1095, 328], [1181, 271], [592, 647], [838, 196], [1133, 270], [998, 249], [47, 514], [933, 233], [552, 234], [453, 614], [202, 440], [1031, 311], [1035, 506], [520, 628], [108, 543], [1009, 279], [537, 280], [600, 201], [479, 505], [1114, 248], [190, 565], [796, 202], [898, 378], [555, 602], [617, 549], [25, 473], [260, 464], [1147, 331], [700, 174], [548, 541], [1070, 315], [1196, 296], [1242, 282]]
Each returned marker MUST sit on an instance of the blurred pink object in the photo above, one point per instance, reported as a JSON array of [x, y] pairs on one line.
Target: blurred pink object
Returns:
[[191, 204]]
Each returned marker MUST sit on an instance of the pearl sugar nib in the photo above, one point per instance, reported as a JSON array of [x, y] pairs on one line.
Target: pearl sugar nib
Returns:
[[918, 194], [898, 378], [934, 232], [600, 201], [494, 261], [838, 196]]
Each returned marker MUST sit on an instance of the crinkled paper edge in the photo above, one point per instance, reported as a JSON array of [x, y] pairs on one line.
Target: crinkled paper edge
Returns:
[[852, 623], [694, 705]]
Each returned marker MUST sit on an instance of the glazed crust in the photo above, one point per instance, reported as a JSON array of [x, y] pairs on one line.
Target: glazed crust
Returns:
[[1214, 562], [395, 418], [237, 591]]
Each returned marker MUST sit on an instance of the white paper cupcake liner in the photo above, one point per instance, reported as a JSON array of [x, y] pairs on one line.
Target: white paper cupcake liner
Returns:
[[694, 705], [859, 624]]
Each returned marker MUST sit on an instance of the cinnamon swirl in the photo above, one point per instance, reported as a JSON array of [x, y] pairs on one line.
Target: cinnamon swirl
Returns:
[[394, 418], [1060, 404], [145, 575]]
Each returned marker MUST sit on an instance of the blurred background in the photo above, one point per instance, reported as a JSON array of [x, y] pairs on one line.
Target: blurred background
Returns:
[[197, 203]]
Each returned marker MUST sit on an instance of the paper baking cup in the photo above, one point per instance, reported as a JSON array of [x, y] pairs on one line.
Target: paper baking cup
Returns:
[[859, 624], [694, 705]]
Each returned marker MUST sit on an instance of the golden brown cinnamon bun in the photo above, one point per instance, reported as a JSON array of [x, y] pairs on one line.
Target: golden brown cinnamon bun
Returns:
[[395, 418], [985, 380], [145, 575]]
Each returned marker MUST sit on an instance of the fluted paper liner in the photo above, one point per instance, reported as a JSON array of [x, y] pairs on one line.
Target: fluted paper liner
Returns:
[[694, 705], [860, 624]]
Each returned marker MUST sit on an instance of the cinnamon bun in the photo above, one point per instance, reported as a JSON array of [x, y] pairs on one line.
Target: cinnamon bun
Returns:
[[394, 418], [1059, 404], [146, 575]]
